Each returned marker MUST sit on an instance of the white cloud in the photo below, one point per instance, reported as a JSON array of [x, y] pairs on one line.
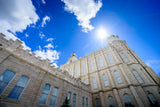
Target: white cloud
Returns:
[[50, 39], [84, 10], [54, 64], [15, 16], [26, 35], [43, 1], [49, 46], [45, 19], [41, 35], [25, 47], [155, 65], [50, 54]]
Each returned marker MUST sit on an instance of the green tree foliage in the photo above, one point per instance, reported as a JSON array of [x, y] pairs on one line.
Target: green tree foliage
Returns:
[[66, 103]]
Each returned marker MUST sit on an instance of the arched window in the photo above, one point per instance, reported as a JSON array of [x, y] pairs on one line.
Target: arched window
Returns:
[[109, 59], [111, 102], [74, 100], [118, 77], [97, 102], [18, 88], [152, 99], [44, 94], [91, 66], [53, 97], [83, 102], [137, 76], [100, 62], [5, 78], [117, 47], [105, 80], [124, 57], [86, 102], [77, 72], [94, 83], [69, 97], [71, 72], [127, 100]]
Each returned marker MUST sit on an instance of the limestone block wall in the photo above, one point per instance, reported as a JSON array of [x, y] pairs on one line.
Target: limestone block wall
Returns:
[[39, 72]]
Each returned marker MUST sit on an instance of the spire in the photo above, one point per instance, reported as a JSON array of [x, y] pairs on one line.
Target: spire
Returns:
[[72, 58], [73, 54]]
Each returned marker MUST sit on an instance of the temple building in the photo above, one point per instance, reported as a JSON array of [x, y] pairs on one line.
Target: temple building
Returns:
[[113, 76]]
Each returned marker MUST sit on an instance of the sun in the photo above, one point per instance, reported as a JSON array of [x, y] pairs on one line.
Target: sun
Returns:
[[101, 33]]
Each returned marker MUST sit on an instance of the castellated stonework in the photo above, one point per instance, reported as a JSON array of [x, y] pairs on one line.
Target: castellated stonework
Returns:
[[113, 76]]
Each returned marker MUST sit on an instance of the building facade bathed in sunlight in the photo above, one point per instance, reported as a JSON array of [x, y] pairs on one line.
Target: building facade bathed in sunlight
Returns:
[[113, 76]]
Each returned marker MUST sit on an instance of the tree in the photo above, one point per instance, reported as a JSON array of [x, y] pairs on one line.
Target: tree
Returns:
[[66, 103]]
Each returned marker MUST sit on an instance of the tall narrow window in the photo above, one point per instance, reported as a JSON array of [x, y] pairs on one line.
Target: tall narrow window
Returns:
[[152, 99], [84, 69], [91, 66], [100, 62], [74, 100], [5, 78], [86, 102], [105, 80], [117, 47], [109, 59], [127, 100], [94, 83], [69, 95], [53, 97], [124, 57], [71, 72], [83, 101], [18, 88], [111, 102], [118, 77], [77, 72], [44, 95], [137, 76], [97, 102]]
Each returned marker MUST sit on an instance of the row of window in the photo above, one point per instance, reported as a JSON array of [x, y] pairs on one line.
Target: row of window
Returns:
[[127, 100], [118, 78], [84, 103], [17, 90], [100, 63]]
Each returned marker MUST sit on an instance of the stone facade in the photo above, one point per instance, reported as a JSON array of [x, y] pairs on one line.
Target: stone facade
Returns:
[[116, 72], [112, 76], [14, 58]]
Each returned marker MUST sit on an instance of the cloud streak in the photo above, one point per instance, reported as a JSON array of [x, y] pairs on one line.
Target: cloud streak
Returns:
[[84, 10]]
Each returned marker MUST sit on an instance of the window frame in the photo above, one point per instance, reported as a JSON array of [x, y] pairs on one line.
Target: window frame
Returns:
[[54, 96], [7, 83], [118, 77], [20, 87], [105, 80], [44, 93]]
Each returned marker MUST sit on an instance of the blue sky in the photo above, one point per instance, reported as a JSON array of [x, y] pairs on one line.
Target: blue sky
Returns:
[[54, 29]]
